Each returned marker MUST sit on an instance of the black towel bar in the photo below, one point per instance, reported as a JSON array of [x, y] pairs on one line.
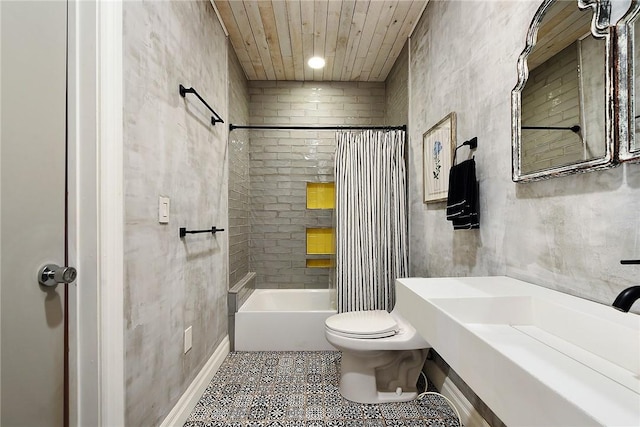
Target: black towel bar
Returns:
[[574, 129], [212, 230], [215, 118]]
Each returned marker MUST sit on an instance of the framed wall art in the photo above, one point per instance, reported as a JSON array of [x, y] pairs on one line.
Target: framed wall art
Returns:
[[438, 146]]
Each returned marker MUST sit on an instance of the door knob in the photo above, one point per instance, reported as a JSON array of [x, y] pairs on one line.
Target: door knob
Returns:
[[51, 275]]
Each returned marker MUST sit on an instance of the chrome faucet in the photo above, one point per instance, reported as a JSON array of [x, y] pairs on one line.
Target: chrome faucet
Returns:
[[627, 297]]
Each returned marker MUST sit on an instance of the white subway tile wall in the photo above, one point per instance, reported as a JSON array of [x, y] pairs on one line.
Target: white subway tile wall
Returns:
[[551, 97], [282, 162], [239, 183]]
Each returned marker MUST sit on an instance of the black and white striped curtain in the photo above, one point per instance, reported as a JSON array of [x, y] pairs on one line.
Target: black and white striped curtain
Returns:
[[371, 218]]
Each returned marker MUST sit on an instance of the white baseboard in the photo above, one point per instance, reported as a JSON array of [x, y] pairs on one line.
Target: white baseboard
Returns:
[[470, 416], [179, 414]]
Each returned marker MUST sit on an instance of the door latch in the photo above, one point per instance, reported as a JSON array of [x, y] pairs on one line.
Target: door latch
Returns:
[[51, 275]]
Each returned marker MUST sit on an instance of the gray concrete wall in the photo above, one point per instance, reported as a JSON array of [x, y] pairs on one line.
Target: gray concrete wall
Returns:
[[566, 233], [282, 162], [239, 184], [171, 149]]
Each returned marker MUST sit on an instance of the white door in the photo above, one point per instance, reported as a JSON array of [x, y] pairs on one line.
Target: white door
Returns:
[[32, 211]]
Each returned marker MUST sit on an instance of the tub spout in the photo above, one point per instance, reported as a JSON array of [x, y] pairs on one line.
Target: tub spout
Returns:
[[626, 298]]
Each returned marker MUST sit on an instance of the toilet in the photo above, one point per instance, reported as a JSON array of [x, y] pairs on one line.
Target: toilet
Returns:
[[382, 355]]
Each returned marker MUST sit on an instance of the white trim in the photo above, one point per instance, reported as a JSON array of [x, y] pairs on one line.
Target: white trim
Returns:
[[224, 28], [110, 188], [409, 152], [179, 414], [470, 416], [0, 220], [83, 210]]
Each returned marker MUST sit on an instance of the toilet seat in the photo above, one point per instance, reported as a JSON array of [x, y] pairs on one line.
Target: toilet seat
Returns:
[[368, 324]]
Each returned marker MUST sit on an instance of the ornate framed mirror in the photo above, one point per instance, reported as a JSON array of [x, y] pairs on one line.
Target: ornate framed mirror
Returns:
[[628, 83], [562, 114]]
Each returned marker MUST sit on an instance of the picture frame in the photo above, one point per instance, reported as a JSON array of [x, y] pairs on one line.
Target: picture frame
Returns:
[[438, 146]]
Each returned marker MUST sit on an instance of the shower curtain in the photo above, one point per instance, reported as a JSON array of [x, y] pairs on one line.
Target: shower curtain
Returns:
[[371, 218]]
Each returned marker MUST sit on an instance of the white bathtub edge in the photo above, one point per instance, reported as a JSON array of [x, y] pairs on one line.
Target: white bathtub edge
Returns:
[[262, 300], [179, 414]]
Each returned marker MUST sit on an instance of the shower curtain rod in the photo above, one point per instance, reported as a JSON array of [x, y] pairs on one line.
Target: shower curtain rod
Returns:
[[268, 127]]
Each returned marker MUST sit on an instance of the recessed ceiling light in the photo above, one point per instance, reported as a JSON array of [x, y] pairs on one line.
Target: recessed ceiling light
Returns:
[[316, 62]]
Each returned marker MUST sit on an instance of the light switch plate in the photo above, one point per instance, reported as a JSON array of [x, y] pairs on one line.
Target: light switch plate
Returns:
[[164, 207]]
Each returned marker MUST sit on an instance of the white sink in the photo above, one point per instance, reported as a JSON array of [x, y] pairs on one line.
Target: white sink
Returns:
[[578, 333], [535, 356]]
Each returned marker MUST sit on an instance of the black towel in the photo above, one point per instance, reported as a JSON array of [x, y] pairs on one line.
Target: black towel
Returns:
[[463, 202]]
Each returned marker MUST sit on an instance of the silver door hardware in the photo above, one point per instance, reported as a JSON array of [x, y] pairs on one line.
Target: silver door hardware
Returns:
[[51, 275]]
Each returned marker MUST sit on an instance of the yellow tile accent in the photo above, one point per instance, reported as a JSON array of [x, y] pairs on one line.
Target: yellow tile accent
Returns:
[[320, 263], [321, 195], [320, 241]]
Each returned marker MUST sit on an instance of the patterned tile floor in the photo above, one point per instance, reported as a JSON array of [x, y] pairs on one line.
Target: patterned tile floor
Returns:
[[300, 389]]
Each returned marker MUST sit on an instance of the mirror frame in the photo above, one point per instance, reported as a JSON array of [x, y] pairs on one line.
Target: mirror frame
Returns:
[[625, 85], [600, 28]]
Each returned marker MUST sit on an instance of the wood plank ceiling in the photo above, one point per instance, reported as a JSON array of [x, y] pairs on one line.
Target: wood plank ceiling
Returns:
[[562, 25], [360, 40]]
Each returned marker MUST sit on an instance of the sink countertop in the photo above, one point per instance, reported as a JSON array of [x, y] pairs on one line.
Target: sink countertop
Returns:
[[534, 355]]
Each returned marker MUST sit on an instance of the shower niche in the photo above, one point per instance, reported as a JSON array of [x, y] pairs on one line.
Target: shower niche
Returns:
[[320, 241]]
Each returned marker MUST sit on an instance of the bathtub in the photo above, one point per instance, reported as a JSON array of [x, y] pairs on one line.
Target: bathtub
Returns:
[[284, 320]]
